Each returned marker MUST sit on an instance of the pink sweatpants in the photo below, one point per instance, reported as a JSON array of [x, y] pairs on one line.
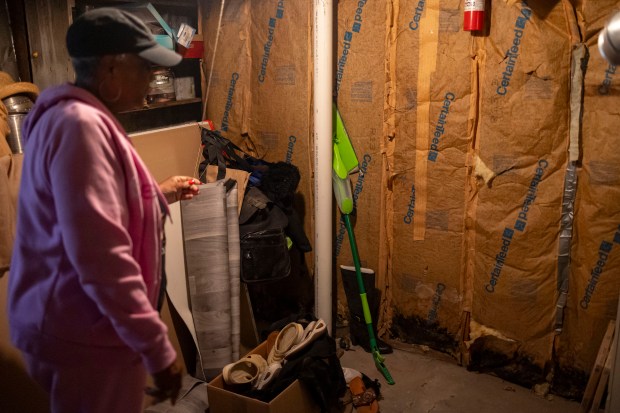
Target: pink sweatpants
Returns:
[[103, 389]]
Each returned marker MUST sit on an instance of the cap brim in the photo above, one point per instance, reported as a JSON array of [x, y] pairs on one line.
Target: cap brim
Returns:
[[161, 56]]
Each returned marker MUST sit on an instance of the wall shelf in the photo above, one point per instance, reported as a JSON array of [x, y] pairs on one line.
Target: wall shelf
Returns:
[[161, 115], [164, 105], [174, 3]]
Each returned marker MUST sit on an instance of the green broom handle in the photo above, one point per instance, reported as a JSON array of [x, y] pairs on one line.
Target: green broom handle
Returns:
[[360, 282]]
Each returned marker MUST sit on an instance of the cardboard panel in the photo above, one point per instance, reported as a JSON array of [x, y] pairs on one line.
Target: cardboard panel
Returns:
[[170, 151]]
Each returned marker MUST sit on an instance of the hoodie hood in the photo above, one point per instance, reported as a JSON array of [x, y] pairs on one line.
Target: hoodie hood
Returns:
[[52, 96]]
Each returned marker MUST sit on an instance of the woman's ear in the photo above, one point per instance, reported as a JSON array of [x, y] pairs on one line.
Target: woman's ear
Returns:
[[107, 65]]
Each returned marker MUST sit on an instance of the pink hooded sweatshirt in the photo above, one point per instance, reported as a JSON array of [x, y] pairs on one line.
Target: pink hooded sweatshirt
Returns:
[[86, 263]]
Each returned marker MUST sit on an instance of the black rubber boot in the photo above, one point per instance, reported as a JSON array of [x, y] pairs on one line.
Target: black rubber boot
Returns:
[[357, 326]]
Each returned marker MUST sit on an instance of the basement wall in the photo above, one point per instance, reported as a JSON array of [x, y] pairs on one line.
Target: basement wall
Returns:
[[482, 247]]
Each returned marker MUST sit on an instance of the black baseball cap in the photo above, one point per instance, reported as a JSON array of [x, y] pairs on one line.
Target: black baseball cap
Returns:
[[108, 30]]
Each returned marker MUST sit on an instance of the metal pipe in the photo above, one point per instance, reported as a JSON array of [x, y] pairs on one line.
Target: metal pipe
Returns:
[[609, 40]]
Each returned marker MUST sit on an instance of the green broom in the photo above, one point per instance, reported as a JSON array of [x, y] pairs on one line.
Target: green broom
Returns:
[[344, 199]]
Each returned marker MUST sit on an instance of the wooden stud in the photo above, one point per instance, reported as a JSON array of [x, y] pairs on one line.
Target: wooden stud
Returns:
[[597, 369], [602, 383], [464, 333]]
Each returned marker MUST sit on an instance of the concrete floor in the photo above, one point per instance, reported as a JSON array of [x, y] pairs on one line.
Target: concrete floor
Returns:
[[432, 383], [425, 382]]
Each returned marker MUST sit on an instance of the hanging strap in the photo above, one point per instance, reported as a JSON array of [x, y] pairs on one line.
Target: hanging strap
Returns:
[[217, 150]]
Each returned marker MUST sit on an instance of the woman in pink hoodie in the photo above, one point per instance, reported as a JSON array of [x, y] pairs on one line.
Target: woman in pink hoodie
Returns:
[[86, 265]]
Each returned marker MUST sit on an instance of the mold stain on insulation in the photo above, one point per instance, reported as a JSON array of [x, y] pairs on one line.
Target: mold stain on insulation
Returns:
[[490, 354], [416, 330], [569, 383]]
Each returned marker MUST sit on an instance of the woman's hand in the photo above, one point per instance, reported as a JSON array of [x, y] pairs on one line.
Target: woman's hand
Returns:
[[167, 383], [179, 187]]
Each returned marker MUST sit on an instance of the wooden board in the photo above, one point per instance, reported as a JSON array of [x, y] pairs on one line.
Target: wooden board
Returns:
[[47, 22], [602, 383], [597, 370]]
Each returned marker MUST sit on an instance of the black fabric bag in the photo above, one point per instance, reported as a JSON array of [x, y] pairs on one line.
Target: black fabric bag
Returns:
[[264, 256], [267, 218], [264, 248]]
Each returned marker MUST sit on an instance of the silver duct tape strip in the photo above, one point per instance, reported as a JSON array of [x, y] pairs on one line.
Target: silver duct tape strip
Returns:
[[568, 201], [570, 181], [566, 236]]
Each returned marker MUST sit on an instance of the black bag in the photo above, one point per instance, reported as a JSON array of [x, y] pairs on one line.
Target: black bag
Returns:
[[264, 256], [267, 218], [264, 248]]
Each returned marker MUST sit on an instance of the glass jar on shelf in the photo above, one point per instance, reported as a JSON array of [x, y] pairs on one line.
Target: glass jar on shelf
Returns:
[[161, 87]]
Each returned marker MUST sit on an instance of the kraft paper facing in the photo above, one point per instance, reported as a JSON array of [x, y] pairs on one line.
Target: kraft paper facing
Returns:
[[260, 96], [463, 143], [359, 89], [522, 136], [428, 174], [595, 255]]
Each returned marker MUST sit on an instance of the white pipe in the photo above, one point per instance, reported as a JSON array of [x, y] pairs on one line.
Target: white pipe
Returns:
[[322, 104]]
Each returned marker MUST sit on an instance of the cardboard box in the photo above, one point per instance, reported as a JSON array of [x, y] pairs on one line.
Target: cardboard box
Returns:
[[185, 35], [295, 398], [195, 50]]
